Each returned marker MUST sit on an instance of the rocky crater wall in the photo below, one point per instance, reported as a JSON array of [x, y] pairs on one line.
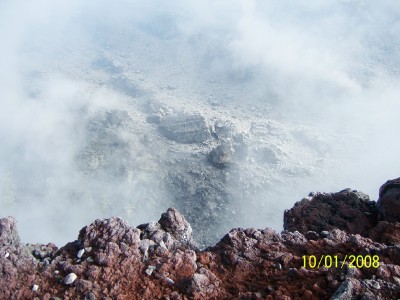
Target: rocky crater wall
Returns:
[[160, 260]]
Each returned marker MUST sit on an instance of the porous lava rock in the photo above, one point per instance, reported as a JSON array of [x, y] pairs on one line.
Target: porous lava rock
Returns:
[[389, 201], [351, 211], [174, 223], [348, 210], [385, 232], [8, 232], [159, 260]]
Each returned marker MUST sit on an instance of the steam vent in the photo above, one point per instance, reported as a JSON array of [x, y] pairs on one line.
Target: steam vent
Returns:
[[334, 246]]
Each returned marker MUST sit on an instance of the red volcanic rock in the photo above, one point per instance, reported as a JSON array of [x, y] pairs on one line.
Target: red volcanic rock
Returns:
[[348, 210], [175, 224], [389, 201], [111, 260], [384, 232], [103, 232]]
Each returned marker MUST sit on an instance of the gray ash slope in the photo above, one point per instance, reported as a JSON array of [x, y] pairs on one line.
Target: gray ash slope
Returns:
[[219, 161]]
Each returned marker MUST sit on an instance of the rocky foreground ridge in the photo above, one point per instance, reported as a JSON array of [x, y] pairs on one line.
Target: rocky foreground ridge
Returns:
[[111, 260]]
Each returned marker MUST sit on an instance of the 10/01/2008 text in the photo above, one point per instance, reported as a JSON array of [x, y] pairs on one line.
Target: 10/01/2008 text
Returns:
[[333, 261]]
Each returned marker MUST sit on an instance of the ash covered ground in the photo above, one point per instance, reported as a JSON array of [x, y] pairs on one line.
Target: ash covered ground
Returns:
[[130, 109]]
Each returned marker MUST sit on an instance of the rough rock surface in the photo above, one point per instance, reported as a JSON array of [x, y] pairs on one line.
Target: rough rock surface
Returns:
[[351, 211], [159, 260], [389, 201], [8, 232], [185, 129], [348, 210], [223, 130], [222, 154]]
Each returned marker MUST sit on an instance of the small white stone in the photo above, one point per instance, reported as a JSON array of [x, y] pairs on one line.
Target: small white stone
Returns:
[[162, 245], [149, 271], [80, 253], [88, 249], [6, 255], [56, 272], [90, 259], [169, 280], [35, 287], [70, 278]]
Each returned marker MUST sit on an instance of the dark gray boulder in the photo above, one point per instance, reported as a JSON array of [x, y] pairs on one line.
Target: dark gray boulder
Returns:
[[223, 154]]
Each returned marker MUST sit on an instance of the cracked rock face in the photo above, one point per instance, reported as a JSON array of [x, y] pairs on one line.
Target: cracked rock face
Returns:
[[159, 260], [185, 129]]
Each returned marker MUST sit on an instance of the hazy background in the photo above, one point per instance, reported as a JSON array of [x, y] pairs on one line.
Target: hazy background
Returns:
[[332, 65]]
